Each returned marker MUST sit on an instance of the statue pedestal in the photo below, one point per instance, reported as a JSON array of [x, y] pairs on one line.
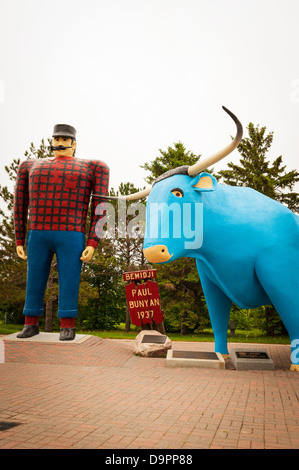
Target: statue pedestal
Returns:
[[204, 359], [46, 338], [251, 359]]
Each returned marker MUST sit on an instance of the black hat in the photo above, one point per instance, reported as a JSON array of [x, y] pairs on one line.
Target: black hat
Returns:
[[64, 130]]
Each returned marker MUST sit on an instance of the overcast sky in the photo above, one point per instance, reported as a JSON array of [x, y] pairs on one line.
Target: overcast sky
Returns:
[[134, 76]]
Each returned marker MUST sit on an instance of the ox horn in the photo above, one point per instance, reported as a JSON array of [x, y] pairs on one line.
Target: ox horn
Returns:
[[202, 164], [130, 197], [209, 161]]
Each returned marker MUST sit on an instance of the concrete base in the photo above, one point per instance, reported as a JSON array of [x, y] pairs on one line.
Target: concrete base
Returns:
[[46, 338], [251, 363], [173, 359]]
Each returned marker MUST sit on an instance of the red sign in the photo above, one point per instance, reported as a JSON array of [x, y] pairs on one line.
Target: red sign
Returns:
[[144, 302]]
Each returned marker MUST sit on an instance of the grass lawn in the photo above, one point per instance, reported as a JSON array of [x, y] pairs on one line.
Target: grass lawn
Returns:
[[241, 336]]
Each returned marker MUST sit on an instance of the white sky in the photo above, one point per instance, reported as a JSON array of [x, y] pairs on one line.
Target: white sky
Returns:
[[134, 76]]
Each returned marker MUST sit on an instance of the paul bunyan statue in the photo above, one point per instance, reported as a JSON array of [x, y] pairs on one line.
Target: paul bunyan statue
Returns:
[[56, 192]]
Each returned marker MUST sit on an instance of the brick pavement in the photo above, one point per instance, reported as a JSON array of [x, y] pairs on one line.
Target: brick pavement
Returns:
[[98, 395]]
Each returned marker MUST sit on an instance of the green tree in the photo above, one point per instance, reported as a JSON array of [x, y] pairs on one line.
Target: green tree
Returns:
[[101, 295], [128, 241], [258, 173], [182, 297], [169, 159], [268, 178]]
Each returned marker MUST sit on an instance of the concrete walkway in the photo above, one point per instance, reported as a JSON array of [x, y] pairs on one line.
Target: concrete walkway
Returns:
[[95, 394]]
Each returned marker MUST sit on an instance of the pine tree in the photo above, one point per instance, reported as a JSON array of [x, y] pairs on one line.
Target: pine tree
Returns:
[[128, 245], [256, 172], [167, 160]]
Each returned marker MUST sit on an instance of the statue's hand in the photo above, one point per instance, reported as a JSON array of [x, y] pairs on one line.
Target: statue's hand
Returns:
[[21, 252], [87, 254]]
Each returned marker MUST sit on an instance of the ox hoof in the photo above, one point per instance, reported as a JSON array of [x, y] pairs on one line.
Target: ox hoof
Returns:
[[294, 367]]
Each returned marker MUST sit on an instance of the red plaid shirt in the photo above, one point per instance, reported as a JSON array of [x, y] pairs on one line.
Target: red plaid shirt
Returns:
[[57, 192]]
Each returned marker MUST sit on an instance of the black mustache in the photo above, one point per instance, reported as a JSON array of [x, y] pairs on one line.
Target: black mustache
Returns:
[[60, 147]]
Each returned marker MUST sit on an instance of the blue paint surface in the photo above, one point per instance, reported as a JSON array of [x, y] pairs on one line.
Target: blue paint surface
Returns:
[[41, 246], [249, 253]]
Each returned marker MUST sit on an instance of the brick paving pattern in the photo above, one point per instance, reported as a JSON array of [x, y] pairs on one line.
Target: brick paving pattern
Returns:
[[98, 395]]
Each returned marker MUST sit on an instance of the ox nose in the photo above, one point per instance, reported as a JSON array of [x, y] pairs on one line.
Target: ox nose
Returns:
[[157, 254]]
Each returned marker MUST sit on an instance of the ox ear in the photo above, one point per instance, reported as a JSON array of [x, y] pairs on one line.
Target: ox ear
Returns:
[[204, 182]]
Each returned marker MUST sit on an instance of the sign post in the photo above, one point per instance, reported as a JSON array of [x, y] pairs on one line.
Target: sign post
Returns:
[[143, 299]]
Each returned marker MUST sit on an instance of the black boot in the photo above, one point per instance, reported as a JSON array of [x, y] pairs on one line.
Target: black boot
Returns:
[[67, 334], [28, 331]]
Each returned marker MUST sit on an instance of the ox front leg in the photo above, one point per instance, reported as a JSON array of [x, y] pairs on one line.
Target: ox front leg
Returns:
[[219, 306]]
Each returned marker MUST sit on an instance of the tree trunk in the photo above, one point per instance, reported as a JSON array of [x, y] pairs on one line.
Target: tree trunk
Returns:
[[128, 319], [184, 327], [269, 320], [159, 327]]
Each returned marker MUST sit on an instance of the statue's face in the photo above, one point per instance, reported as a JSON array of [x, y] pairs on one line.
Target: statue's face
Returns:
[[65, 142]]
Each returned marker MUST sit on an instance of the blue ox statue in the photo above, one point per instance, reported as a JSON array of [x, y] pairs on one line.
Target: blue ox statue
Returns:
[[249, 253]]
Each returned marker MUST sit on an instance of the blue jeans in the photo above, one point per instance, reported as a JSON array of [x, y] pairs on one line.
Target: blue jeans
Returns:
[[41, 246]]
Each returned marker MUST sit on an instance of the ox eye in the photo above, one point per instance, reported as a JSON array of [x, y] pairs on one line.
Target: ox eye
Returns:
[[177, 192]]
